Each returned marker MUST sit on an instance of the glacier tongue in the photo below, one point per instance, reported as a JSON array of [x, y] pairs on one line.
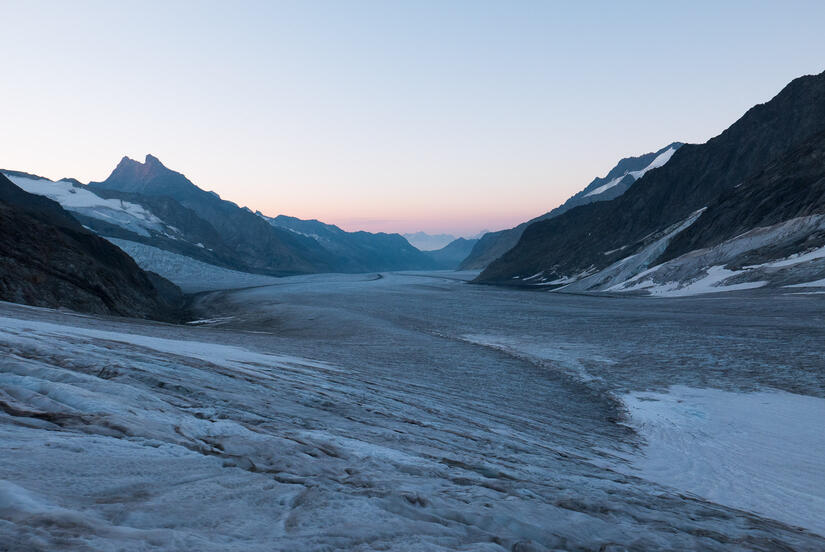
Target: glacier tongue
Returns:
[[190, 275]]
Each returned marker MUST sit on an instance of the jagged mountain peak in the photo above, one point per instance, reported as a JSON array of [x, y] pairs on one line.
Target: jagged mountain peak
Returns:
[[150, 166], [148, 160], [151, 177], [152, 160]]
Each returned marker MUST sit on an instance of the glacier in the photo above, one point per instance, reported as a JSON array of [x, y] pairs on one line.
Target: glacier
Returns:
[[412, 411]]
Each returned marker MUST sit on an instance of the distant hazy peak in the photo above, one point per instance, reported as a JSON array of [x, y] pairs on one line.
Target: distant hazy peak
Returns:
[[428, 242]]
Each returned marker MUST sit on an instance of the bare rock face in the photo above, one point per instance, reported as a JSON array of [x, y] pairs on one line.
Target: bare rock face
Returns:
[[48, 259], [791, 187]]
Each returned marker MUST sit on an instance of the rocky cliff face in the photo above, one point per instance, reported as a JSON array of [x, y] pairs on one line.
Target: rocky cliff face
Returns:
[[48, 259]]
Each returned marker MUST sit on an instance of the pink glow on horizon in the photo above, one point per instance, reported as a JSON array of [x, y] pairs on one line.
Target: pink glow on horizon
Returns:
[[347, 112], [466, 227], [432, 223]]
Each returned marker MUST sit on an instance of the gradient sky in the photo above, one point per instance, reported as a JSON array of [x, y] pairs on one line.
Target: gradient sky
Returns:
[[386, 115]]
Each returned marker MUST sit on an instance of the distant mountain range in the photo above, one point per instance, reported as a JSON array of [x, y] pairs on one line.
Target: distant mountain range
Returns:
[[493, 245], [152, 205], [744, 210], [48, 259], [429, 242], [357, 251]]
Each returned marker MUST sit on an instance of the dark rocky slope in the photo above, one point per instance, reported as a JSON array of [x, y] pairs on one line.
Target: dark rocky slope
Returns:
[[491, 246], [788, 188], [48, 259], [591, 237]]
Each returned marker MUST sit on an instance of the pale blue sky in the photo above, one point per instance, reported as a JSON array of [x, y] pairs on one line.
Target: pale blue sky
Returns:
[[387, 115]]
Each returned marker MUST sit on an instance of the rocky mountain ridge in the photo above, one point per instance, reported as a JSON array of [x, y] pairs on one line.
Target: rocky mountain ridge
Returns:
[[152, 205], [493, 245], [750, 193]]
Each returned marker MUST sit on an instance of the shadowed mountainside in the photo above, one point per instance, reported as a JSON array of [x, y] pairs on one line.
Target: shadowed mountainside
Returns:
[[48, 259], [592, 237], [358, 251], [451, 255]]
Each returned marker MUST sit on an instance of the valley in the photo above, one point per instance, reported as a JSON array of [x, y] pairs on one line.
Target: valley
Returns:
[[307, 343]]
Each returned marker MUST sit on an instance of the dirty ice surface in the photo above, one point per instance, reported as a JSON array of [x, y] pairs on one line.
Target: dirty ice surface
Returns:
[[416, 412]]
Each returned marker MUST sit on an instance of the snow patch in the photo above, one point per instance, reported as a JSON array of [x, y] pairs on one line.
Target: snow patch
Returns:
[[763, 452], [815, 283], [566, 357], [659, 161], [702, 270], [71, 197], [795, 259], [636, 265], [246, 361], [712, 282], [605, 187]]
